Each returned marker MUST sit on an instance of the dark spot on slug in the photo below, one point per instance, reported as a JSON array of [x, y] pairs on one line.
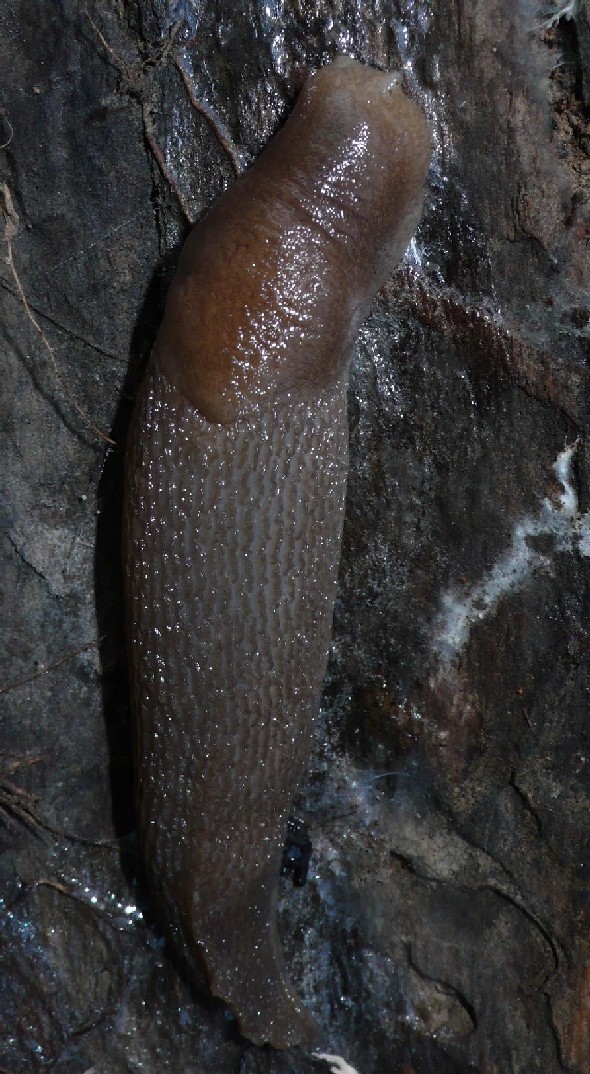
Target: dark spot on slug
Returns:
[[296, 851]]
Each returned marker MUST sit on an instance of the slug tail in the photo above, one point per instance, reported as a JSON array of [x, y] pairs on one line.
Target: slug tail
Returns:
[[246, 971], [229, 637]]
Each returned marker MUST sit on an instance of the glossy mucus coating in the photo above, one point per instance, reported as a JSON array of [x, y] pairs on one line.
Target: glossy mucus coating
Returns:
[[235, 485], [273, 284]]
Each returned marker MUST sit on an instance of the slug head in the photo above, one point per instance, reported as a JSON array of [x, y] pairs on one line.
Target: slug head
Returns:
[[380, 142], [274, 282]]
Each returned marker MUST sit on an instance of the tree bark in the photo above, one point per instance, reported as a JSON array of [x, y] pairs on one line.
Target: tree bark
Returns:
[[445, 924]]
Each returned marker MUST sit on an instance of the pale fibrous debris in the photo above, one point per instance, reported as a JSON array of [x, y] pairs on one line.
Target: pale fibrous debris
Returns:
[[563, 10], [559, 518], [338, 1065]]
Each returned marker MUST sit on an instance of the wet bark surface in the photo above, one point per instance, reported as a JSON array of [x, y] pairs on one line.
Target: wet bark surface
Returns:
[[445, 924]]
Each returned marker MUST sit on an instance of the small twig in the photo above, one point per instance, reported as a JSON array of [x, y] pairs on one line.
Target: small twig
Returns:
[[56, 885], [14, 806], [4, 145], [117, 61], [11, 227], [17, 804], [17, 762], [138, 91], [205, 110], [50, 667], [62, 327], [338, 1065], [160, 161], [62, 889]]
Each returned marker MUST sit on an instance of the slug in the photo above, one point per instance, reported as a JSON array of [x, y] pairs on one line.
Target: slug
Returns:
[[234, 501]]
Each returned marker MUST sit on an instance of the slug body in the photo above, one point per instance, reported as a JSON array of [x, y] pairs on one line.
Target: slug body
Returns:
[[235, 485]]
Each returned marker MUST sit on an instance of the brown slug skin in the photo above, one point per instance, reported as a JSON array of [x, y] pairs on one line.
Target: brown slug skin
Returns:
[[235, 484]]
